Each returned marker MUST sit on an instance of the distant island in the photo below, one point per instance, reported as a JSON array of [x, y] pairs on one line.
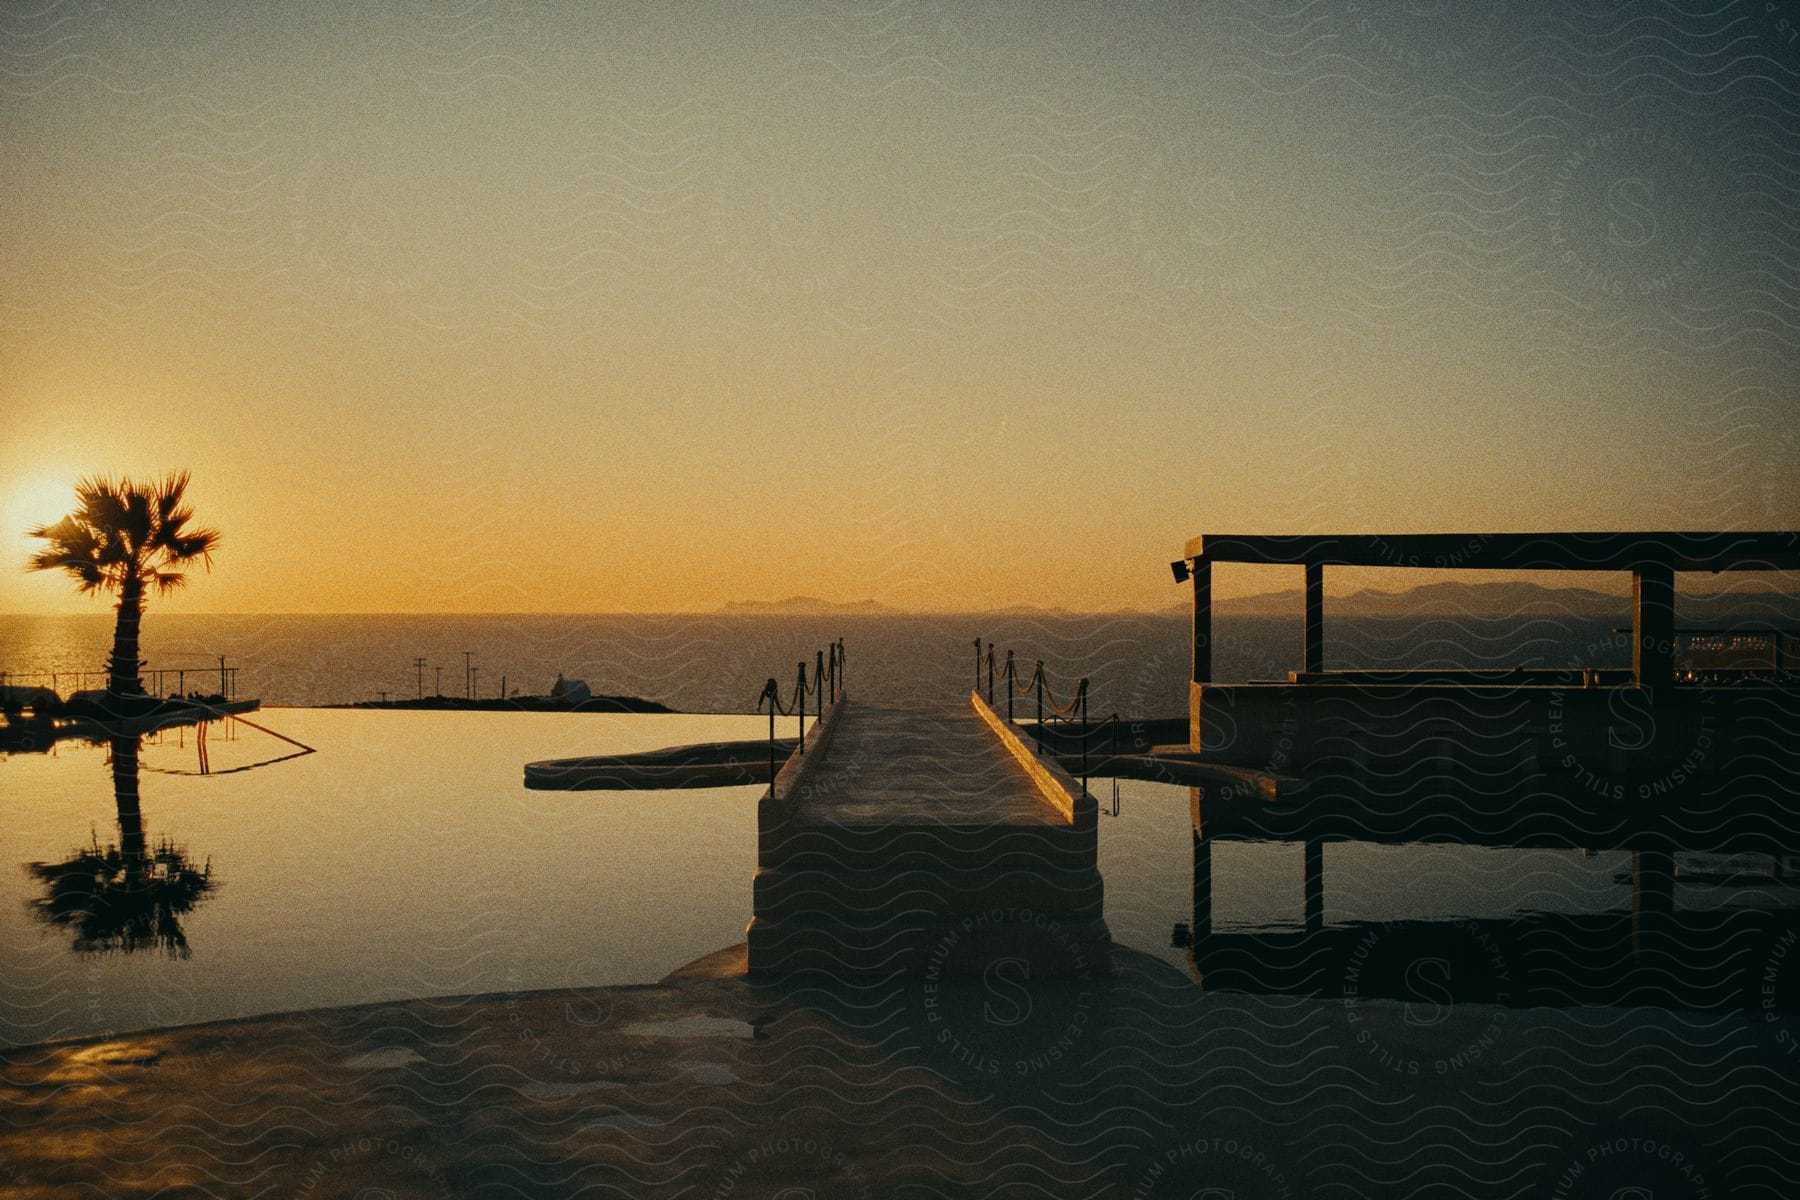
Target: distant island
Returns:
[[808, 604]]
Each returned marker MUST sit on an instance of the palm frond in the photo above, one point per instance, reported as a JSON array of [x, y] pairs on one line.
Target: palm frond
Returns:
[[186, 547], [101, 502], [139, 527]]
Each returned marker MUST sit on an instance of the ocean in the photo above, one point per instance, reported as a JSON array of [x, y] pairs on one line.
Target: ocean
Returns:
[[718, 663]]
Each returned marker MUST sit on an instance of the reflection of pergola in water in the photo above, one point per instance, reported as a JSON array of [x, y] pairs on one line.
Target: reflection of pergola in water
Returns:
[[125, 897]]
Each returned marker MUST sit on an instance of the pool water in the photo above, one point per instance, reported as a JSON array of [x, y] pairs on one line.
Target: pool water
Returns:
[[405, 858]]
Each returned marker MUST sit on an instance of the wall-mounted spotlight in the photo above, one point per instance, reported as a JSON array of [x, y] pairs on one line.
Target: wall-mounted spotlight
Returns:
[[1180, 569]]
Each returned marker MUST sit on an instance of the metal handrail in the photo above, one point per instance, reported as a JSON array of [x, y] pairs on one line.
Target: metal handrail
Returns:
[[1074, 712], [155, 679], [828, 677]]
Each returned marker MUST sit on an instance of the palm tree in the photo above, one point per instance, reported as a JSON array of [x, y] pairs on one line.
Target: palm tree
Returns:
[[126, 537]]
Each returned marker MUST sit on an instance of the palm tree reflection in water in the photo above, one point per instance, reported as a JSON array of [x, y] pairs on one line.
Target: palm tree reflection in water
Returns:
[[126, 897]]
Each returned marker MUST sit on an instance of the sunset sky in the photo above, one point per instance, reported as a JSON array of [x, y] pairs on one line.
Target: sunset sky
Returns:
[[508, 307]]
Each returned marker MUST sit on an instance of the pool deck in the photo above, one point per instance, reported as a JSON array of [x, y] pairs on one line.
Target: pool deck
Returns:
[[1132, 1084]]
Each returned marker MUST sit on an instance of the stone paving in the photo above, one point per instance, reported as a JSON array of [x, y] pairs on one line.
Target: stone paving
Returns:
[[1135, 1084]]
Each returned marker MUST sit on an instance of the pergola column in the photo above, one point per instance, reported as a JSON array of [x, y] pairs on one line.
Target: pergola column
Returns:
[[1313, 660], [1653, 625], [1202, 575]]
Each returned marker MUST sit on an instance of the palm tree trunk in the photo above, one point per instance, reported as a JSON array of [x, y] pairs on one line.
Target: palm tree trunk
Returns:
[[122, 671], [125, 797]]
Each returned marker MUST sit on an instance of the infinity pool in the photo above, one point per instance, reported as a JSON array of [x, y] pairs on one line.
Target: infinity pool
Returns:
[[404, 858]]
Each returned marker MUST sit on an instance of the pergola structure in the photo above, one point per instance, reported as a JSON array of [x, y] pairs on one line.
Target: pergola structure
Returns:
[[1410, 755], [1652, 558]]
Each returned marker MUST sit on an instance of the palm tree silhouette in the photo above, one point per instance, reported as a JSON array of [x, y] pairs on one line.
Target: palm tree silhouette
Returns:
[[126, 537], [125, 897]]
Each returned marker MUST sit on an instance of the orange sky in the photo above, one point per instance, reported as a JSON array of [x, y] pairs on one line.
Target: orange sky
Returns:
[[553, 312]]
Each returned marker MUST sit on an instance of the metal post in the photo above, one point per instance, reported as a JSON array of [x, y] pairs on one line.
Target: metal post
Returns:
[[1010, 689], [819, 680], [770, 691], [800, 705], [990, 665], [833, 680], [1040, 704], [420, 664], [221, 674], [1081, 698], [978, 664], [840, 661]]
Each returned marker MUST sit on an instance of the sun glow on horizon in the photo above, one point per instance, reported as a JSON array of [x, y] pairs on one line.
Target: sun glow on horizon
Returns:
[[38, 500]]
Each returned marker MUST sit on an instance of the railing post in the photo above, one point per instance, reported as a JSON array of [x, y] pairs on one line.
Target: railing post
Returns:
[[990, 666], [1081, 698], [770, 691], [833, 683], [1010, 687], [800, 705], [978, 664], [819, 680], [1040, 704]]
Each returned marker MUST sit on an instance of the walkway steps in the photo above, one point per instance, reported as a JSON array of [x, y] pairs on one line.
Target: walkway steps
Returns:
[[925, 842]]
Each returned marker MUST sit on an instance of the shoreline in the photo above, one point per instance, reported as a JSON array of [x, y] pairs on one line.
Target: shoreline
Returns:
[[612, 704]]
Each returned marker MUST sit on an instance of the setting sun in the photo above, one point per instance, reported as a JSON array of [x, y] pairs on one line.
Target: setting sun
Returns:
[[34, 501]]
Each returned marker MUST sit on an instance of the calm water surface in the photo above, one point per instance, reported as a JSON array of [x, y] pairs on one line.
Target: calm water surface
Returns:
[[405, 858]]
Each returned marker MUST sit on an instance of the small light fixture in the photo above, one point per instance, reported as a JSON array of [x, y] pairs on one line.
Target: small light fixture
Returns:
[[1180, 569]]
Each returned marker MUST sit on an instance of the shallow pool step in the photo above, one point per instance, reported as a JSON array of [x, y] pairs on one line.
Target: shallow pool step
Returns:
[[705, 764]]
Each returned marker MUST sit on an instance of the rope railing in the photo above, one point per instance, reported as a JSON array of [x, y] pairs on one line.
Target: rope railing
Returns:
[[1075, 712], [827, 681]]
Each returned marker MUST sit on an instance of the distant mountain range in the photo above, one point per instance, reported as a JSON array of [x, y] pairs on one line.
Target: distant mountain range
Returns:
[[807, 604], [1517, 598], [1500, 599]]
